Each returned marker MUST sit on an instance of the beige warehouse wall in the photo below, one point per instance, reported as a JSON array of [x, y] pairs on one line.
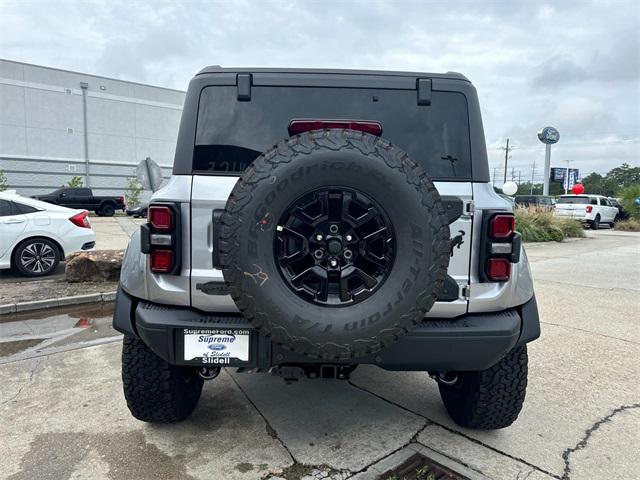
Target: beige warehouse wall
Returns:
[[42, 127]]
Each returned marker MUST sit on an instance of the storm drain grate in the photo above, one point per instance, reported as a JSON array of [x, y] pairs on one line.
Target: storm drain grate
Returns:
[[419, 467]]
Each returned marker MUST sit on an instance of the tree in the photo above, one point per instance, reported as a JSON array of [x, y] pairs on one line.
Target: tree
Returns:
[[556, 189], [525, 189], [610, 184], [628, 196], [75, 182], [595, 183], [133, 192], [624, 175], [3, 181], [592, 183]]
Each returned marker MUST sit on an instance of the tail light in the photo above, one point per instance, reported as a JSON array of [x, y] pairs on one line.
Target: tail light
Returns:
[[160, 217], [589, 208], [160, 238], [161, 261], [500, 246], [366, 126], [81, 219], [498, 269], [121, 200], [502, 226]]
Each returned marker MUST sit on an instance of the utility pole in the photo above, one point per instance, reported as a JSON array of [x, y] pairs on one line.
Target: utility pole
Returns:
[[506, 160], [533, 171], [494, 176], [513, 174], [519, 177]]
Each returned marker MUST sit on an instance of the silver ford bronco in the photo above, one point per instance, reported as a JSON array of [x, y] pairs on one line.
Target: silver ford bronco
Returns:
[[321, 219]]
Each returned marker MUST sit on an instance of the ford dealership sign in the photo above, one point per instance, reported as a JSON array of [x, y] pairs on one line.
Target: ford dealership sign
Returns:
[[549, 135]]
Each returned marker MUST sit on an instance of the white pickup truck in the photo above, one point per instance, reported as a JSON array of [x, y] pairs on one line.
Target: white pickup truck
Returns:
[[589, 209]]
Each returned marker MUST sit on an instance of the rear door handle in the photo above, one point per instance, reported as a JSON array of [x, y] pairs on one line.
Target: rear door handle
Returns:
[[14, 220]]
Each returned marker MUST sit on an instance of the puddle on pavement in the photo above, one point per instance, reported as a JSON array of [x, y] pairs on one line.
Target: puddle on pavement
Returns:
[[11, 348], [28, 332]]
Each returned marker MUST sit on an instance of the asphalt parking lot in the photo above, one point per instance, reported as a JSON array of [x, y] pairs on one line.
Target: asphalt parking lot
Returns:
[[62, 413]]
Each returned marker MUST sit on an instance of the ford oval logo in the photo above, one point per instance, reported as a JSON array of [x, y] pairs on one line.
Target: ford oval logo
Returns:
[[216, 346], [549, 135]]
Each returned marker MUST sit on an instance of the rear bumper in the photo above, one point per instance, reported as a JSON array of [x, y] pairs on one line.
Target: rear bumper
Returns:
[[581, 217], [471, 342], [77, 240]]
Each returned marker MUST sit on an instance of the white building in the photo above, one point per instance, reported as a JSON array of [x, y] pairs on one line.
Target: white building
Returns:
[[56, 124]]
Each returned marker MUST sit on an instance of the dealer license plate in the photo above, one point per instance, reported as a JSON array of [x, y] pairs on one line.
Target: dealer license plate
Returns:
[[217, 346]]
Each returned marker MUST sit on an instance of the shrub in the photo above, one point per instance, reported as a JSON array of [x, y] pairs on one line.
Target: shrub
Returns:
[[133, 192], [571, 228], [540, 225], [630, 225], [75, 182], [3, 181], [628, 196]]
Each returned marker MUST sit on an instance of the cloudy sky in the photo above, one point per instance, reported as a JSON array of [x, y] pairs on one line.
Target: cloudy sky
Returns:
[[574, 65]]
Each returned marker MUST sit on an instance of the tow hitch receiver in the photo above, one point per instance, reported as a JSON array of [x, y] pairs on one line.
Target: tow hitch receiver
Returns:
[[293, 373]]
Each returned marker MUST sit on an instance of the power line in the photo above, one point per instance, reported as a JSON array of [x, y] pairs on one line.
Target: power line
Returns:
[[580, 144]]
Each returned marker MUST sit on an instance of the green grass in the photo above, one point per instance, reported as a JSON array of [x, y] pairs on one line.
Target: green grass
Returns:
[[540, 225]]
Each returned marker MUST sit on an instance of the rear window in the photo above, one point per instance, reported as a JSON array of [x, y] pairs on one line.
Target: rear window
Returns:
[[576, 200], [78, 192], [22, 208], [5, 208], [231, 134]]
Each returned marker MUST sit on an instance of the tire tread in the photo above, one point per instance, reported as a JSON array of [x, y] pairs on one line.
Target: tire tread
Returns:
[[156, 391], [263, 168], [492, 398]]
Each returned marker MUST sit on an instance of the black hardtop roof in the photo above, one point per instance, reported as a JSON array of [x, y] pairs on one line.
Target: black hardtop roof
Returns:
[[331, 71]]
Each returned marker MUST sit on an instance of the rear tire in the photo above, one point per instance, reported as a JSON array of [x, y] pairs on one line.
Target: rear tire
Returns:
[[596, 223], [107, 210], [156, 391], [489, 399]]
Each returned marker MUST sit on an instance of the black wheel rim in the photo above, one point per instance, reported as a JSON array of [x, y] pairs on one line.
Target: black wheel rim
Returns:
[[334, 246], [37, 257]]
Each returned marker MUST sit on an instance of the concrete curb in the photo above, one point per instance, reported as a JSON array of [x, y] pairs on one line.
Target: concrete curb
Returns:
[[57, 302]]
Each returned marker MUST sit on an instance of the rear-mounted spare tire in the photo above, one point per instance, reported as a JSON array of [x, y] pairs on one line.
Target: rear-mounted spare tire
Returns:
[[334, 243]]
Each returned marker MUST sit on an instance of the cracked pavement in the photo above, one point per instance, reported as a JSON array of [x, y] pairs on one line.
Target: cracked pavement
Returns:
[[63, 416]]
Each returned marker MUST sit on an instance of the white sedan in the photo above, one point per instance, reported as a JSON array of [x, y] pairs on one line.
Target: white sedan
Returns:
[[35, 236]]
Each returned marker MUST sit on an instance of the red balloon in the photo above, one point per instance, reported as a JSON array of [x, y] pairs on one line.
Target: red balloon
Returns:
[[578, 188]]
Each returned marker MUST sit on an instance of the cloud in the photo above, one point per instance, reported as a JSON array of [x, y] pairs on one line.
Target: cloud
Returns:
[[571, 64]]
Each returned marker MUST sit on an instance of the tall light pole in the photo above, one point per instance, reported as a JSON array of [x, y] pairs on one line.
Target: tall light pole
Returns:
[[548, 136]]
